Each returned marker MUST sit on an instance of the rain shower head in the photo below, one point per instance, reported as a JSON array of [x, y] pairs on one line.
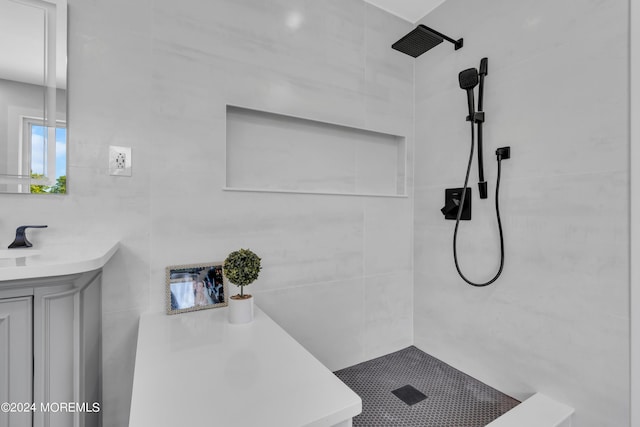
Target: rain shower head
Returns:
[[421, 39]]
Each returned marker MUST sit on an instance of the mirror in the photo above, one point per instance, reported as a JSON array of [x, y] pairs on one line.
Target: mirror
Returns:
[[33, 96]]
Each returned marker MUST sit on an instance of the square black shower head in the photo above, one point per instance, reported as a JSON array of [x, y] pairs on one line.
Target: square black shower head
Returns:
[[417, 42], [421, 39]]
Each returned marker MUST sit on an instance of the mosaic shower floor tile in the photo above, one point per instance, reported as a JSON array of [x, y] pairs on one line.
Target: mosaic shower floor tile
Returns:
[[453, 399]]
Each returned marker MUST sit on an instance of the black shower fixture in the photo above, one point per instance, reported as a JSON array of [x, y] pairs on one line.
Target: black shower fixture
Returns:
[[482, 184], [421, 39], [469, 79]]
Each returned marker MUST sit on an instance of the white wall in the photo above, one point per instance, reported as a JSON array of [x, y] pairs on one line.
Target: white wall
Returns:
[[634, 168], [156, 76], [557, 320]]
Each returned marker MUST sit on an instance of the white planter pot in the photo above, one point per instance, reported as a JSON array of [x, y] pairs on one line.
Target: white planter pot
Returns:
[[240, 310]]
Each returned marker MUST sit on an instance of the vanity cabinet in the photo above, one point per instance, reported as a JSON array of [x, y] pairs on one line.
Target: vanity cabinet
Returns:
[[50, 351]]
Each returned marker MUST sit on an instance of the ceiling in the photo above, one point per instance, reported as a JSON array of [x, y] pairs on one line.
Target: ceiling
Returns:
[[410, 10]]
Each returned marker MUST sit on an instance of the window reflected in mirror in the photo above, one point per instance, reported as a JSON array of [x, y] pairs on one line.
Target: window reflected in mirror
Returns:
[[48, 157]]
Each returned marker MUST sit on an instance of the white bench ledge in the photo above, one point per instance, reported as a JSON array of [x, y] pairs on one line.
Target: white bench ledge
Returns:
[[197, 370], [537, 411]]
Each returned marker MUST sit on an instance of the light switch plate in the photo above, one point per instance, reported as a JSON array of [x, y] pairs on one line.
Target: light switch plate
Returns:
[[119, 161]]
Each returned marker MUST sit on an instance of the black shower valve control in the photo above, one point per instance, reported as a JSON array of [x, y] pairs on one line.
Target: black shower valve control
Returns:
[[452, 198], [503, 153]]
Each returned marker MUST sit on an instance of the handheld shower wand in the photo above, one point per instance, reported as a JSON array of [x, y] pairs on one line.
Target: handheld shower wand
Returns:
[[468, 80]]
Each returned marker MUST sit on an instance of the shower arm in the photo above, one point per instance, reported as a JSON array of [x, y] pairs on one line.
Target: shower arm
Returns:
[[457, 43]]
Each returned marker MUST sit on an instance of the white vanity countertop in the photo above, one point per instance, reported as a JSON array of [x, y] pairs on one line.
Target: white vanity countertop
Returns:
[[56, 259], [195, 369]]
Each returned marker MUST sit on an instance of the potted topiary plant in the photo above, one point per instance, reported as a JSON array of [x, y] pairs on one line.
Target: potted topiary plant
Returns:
[[241, 268]]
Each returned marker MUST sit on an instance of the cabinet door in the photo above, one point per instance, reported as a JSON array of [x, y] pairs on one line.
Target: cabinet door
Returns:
[[67, 353], [16, 360]]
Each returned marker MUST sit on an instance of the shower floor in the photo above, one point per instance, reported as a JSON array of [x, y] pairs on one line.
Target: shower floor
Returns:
[[453, 399]]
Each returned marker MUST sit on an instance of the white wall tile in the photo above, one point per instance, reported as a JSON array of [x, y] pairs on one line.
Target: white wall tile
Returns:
[[388, 313], [557, 319], [328, 319], [388, 235], [157, 76]]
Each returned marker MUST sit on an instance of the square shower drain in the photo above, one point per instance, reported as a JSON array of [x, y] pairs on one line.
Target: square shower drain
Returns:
[[409, 395]]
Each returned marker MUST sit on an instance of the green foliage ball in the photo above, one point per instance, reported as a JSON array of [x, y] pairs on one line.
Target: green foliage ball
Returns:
[[242, 267]]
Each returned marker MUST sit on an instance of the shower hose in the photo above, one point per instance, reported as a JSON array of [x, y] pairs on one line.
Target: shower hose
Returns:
[[455, 232]]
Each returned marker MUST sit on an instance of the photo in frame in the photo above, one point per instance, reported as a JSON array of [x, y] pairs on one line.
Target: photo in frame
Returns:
[[195, 287]]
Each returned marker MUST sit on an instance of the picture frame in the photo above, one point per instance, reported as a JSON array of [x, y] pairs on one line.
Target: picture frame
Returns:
[[193, 287]]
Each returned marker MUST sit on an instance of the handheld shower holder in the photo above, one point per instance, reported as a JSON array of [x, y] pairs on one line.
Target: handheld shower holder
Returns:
[[482, 189], [478, 117]]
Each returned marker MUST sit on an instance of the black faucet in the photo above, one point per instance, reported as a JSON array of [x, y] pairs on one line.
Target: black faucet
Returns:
[[21, 236]]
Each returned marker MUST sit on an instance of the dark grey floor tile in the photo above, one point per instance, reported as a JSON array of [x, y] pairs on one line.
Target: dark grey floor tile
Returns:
[[453, 399]]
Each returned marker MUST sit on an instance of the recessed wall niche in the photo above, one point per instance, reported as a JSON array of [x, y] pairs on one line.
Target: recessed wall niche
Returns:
[[279, 153]]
